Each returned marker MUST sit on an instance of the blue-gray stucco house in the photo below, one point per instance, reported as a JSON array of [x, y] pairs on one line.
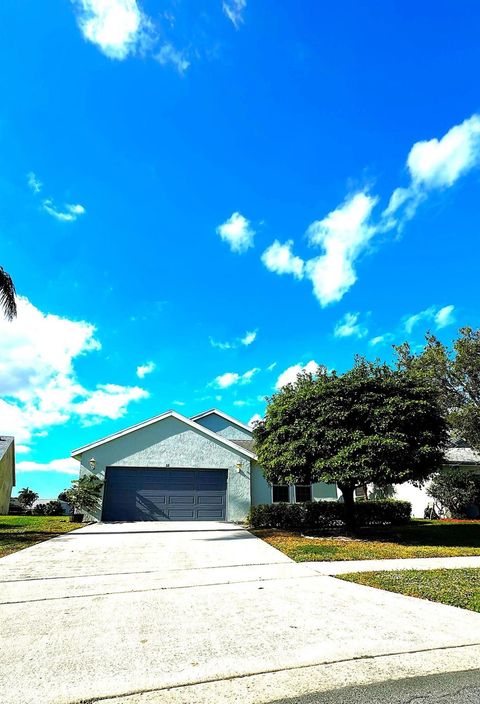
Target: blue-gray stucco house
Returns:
[[176, 468]]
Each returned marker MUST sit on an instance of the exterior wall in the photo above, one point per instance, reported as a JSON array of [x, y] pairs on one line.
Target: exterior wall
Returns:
[[171, 443], [223, 427], [7, 465], [262, 491], [419, 497]]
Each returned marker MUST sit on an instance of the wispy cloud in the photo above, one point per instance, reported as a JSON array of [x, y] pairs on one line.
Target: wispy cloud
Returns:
[[119, 28], [168, 54], [144, 369], [444, 316], [349, 326], [34, 183], [381, 339], [237, 232], [61, 466], [289, 375], [440, 317], [234, 11], [70, 213], [244, 341]]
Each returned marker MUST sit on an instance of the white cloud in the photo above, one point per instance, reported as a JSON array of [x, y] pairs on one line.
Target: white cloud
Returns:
[[69, 214], [234, 11], [439, 163], [62, 466], [168, 54], [230, 378], [34, 183], [257, 418], [271, 367], [246, 340], [117, 27], [144, 369], [350, 326], [441, 317], [343, 235], [435, 163], [346, 232], [39, 387], [280, 259], [179, 403], [444, 316], [237, 232], [289, 376], [381, 339]]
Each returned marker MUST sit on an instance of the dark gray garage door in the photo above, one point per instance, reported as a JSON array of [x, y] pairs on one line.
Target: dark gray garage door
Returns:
[[140, 494]]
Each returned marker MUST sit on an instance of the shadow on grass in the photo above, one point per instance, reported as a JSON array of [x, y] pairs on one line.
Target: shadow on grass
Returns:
[[429, 533], [417, 533]]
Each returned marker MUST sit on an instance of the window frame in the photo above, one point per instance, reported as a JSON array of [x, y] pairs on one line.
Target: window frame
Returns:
[[303, 486], [283, 486]]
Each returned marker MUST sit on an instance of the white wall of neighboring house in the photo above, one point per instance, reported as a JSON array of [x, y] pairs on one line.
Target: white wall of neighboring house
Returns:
[[417, 497]]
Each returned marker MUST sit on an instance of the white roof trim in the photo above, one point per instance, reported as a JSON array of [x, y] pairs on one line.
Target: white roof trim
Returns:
[[222, 415], [168, 414]]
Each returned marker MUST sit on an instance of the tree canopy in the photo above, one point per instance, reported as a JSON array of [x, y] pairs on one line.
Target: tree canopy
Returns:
[[372, 424], [7, 295], [83, 493], [26, 497], [455, 374]]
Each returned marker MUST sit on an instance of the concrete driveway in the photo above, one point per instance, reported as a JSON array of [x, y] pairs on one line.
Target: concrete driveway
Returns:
[[203, 612]]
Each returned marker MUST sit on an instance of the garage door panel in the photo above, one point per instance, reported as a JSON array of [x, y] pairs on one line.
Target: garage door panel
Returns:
[[148, 494]]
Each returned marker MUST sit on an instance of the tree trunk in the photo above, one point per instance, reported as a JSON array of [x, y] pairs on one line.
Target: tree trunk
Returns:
[[349, 503]]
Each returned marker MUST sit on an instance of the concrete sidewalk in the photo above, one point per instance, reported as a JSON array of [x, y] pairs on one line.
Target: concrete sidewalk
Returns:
[[204, 613], [421, 563]]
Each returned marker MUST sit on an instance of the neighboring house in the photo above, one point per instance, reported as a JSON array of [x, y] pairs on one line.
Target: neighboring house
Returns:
[[458, 455], [176, 468], [64, 505], [7, 471]]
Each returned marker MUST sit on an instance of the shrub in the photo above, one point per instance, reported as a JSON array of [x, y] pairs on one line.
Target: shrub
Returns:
[[328, 515], [38, 510], [456, 488]]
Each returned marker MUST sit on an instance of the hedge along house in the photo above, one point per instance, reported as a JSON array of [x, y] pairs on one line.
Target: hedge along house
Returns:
[[176, 468]]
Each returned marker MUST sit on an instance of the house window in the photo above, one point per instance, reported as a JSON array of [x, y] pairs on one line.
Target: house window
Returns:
[[280, 492], [303, 492]]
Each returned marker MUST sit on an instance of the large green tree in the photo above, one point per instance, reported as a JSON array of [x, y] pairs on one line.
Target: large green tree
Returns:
[[7, 295], [455, 374], [371, 424]]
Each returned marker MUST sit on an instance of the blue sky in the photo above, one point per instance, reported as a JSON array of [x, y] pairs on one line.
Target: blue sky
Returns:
[[200, 198]]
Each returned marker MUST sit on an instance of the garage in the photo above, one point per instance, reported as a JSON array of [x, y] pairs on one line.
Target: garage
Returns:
[[151, 494]]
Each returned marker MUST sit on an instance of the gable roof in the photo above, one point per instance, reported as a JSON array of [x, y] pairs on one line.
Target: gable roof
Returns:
[[168, 414], [5, 442], [462, 455], [231, 419]]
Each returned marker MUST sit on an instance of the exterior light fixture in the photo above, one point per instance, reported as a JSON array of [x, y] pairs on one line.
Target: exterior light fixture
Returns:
[[239, 466], [93, 463]]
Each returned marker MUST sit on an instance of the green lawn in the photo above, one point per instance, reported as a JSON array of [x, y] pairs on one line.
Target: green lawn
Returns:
[[420, 538], [455, 587], [18, 532]]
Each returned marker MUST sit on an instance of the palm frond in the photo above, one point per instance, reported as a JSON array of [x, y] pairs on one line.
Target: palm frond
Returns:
[[7, 295]]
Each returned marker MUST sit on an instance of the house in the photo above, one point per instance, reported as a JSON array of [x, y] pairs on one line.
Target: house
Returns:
[[7, 471], [176, 468], [459, 455]]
